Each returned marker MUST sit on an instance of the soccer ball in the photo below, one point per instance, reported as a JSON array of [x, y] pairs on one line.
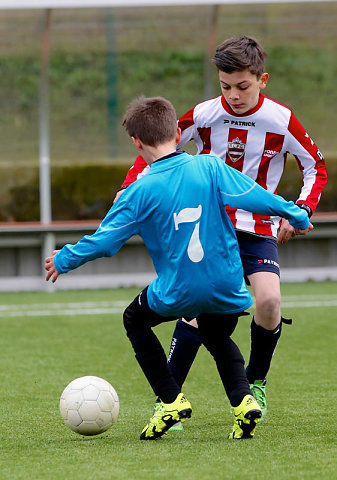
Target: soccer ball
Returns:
[[89, 405]]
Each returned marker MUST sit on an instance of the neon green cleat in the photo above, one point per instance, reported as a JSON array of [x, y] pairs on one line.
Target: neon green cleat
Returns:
[[246, 416], [258, 389], [165, 416], [177, 427]]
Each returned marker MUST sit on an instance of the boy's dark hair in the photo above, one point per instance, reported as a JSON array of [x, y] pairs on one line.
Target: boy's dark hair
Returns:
[[238, 53], [153, 120]]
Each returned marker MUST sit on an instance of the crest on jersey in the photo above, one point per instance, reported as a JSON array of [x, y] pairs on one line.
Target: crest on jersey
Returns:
[[236, 149]]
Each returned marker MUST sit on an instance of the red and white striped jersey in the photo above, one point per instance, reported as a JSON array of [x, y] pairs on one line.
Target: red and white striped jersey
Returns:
[[257, 144]]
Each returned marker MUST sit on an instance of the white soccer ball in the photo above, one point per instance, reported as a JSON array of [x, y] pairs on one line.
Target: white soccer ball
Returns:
[[89, 405]]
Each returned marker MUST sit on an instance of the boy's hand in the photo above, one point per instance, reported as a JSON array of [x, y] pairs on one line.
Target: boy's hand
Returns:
[[50, 267], [298, 231], [118, 194], [286, 232]]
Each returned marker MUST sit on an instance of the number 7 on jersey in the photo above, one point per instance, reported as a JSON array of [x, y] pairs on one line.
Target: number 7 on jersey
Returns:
[[188, 215]]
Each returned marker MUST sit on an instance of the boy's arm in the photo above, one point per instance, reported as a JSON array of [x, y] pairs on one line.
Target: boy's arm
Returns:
[[312, 166], [135, 172], [116, 228], [239, 191], [138, 169], [187, 127], [311, 163]]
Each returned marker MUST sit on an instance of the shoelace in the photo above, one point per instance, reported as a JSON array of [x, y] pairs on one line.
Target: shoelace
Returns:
[[158, 412]]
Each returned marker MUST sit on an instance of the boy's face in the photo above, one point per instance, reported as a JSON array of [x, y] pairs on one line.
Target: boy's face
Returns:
[[241, 89]]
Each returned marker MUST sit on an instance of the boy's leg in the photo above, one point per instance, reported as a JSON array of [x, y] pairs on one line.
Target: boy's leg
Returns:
[[215, 331], [266, 324], [138, 320], [260, 262], [185, 344], [184, 347]]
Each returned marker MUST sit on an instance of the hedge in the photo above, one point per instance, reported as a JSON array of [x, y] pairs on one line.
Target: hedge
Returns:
[[87, 192], [78, 193]]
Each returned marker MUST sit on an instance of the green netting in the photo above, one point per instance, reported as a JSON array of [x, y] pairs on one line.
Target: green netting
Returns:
[[101, 59]]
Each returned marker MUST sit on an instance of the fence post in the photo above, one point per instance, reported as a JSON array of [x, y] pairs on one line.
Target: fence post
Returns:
[[211, 45], [48, 239], [111, 83]]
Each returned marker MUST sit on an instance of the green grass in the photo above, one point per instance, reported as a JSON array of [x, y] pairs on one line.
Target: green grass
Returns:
[[41, 353]]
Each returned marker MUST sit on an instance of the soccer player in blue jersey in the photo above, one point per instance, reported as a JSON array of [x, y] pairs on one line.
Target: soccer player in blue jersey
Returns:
[[179, 209]]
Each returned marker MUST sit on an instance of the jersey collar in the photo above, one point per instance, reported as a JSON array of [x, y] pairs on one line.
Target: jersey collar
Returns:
[[173, 154], [169, 161], [250, 112]]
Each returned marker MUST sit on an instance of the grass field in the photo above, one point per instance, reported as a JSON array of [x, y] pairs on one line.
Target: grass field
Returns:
[[49, 339]]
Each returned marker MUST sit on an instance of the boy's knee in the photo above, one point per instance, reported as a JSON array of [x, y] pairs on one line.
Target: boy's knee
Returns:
[[268, 305], [128, 318], [132, 316]]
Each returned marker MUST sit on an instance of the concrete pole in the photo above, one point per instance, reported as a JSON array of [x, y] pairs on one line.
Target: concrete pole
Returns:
[[48, 239], [209, 68]]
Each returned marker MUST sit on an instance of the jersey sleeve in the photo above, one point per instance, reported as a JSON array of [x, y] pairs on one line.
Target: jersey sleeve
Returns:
[[187, 126], [116, 228], [239, 191], [310, 161], [138, 169]]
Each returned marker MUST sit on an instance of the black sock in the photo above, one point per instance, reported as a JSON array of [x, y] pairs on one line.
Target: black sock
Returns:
[[152, 360], [184, 347], [215, 331], [149, 352], [263, 344]]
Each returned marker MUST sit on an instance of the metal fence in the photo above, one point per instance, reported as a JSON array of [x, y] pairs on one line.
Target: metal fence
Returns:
[[101, 58]]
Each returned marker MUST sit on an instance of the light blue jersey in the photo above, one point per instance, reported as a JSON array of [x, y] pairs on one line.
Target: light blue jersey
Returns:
[[178, 209]]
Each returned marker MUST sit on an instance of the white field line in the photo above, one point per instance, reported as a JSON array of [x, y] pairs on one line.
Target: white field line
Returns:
[[108, 308], [56, 306], [318, 303], [55, 313], [307, 301], [62, 309]]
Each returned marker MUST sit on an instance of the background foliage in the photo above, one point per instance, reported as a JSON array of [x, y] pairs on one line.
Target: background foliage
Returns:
[[86, 191], [102, 58]]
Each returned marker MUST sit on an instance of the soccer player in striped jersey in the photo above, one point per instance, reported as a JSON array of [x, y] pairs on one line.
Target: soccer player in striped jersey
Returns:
[[253, 134]]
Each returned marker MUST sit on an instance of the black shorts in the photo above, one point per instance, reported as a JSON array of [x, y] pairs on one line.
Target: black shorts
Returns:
[[258, 254]]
